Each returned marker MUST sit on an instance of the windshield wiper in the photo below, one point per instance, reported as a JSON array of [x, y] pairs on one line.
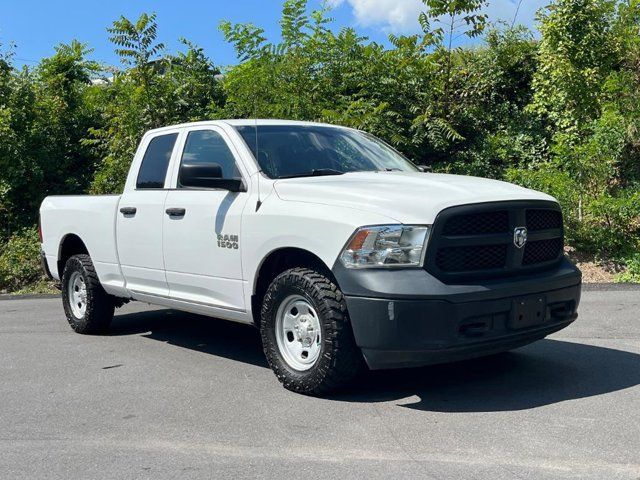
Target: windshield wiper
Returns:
[[316, 172]]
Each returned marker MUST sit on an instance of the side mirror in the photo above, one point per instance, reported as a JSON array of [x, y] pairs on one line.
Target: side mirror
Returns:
[[424, 168], [208, 175]]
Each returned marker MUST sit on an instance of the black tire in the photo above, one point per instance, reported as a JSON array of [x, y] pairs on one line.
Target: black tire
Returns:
[[339, 361], [99, 304]]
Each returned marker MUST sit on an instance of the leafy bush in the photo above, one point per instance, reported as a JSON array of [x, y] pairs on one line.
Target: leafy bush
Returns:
[[560, 185], [20, 261], [559, 113], [632, 272], [611, 226], [607, 225]]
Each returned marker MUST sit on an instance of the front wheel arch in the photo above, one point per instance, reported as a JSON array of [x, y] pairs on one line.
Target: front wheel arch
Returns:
[[278, 261]]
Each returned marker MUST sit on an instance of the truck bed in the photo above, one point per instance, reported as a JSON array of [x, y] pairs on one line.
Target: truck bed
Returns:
[[93, 219]]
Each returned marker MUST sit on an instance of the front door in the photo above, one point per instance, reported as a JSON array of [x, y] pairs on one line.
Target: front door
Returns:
[[202, 229]]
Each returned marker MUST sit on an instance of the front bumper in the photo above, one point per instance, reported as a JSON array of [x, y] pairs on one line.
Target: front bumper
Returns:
[[407, 318]]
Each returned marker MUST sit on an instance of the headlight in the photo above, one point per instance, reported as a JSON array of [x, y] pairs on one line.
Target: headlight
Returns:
[[386, 246]]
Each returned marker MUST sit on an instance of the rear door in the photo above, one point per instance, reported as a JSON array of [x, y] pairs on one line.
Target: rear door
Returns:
[[141, 215], [202, 244]]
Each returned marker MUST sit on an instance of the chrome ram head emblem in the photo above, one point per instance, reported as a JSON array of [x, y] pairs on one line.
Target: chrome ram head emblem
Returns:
[[520, 237]]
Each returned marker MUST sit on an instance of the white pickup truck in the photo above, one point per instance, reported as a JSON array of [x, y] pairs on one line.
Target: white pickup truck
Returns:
[[342, 252]]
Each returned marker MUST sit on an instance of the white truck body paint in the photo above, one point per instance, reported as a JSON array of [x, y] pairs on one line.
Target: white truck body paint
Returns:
[[408, 198]]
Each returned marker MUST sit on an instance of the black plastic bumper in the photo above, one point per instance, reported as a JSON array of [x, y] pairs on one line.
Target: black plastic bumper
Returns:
[[408, 318]]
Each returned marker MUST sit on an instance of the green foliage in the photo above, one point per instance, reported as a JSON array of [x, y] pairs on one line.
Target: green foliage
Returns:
[[606, 225], [454, 15], [298, 78], [433, 106], [151, 93], [136, 42], [294, 22], [559, 114], [632, 271], [43, 118], [586, 91], [611, 227], [546, 178], [20, 261], [247, 39], [577, 52]]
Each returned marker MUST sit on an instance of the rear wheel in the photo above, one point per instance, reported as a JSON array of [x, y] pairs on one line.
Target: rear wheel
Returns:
[[89, 309], [306, 333]]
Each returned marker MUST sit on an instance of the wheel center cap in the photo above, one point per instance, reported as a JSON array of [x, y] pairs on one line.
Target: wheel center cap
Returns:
[[305, 330]]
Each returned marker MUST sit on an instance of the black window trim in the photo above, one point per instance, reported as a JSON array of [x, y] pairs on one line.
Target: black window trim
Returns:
[[183, 143]]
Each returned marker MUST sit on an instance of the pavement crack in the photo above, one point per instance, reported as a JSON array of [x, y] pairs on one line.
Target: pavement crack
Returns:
[[112, 366]]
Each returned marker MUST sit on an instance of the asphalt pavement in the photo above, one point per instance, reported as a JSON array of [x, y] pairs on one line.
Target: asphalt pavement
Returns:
[[169, 395]]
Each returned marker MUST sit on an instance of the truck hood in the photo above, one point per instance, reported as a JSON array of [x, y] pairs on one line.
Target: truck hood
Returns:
[[405, 197]]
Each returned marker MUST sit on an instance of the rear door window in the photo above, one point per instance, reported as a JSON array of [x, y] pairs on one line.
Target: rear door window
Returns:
[[155, 162]]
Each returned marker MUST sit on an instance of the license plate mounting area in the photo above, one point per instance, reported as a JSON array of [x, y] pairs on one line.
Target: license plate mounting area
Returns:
[[528, 312]]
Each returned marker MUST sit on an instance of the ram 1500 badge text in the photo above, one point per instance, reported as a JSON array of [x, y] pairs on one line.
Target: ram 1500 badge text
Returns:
[[342, 252]]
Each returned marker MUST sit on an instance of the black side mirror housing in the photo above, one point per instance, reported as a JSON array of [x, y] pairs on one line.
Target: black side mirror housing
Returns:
[[208, 175]]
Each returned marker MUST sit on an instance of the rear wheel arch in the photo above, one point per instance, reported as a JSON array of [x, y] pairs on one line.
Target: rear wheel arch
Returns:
[[70, 245]]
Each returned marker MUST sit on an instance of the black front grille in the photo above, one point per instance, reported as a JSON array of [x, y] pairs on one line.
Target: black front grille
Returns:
[[542, 251], [478, 223], [543, 219], [471, 259], [479, 240]]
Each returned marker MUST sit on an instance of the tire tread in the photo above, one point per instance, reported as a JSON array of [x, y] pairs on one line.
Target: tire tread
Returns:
[[344, 360], [100, 305]]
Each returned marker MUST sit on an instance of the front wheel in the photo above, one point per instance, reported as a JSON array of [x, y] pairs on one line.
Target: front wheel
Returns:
[[89, 309], [306, 334]]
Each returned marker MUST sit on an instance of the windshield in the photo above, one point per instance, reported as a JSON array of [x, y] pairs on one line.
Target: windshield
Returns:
[[306, 150]]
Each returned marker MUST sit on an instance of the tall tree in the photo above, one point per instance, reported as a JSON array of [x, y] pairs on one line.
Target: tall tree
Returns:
[[577, 52], [156, 89], [456, 18], [576, 56], [45, 119]]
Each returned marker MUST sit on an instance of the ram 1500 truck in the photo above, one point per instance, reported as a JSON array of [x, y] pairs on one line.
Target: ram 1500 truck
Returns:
[[342, 252]]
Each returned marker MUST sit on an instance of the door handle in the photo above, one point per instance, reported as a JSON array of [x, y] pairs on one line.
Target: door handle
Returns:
[[128, 210], [176, 212]]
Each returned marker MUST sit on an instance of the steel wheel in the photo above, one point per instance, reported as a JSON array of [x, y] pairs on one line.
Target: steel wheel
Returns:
[[298, 333], [320, 355], [77, 291]]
